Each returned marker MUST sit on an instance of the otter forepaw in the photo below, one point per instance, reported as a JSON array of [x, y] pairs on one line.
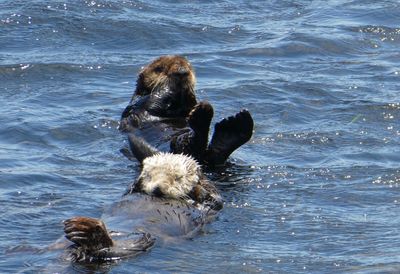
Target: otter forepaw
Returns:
[[229, 134], [88, 233]]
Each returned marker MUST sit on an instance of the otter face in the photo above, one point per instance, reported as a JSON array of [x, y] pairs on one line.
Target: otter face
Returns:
[[173, 73], [177, 176], [169, 175]]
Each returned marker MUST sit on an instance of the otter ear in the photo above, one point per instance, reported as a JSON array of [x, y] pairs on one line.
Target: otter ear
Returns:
[[140, 148]]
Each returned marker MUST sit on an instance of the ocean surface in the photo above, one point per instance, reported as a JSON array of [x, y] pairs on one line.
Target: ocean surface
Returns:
[[316, 190]]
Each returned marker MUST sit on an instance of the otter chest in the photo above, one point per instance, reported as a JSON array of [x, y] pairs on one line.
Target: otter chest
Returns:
[[157, 216]]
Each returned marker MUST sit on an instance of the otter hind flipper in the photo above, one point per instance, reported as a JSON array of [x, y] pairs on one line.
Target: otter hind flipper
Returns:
[[200, 117], [140, 148], [229, 134], [194, 142]]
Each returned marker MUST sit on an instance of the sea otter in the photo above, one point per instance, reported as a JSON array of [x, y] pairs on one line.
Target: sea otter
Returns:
[[164, 92], [164, 107], [171, 198]]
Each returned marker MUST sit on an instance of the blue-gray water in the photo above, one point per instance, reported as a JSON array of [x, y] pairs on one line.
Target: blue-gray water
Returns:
[[315, 190]]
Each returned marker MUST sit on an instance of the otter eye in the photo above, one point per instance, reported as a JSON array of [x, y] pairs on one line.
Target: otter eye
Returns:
[[158, 69]]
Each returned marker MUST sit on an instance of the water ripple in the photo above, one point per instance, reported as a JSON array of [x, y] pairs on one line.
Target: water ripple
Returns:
[[317, 187]]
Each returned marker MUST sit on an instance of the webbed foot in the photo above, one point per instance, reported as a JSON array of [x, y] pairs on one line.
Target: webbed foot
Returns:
[[194, 142], [200, 118], [229, 134]]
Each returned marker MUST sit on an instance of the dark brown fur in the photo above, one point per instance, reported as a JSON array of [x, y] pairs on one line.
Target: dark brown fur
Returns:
[[91, 234], [176, 69], [164, 90], [165, 97], [93, 243]]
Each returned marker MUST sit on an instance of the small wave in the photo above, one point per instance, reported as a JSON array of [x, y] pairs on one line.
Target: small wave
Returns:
[[300, 45]]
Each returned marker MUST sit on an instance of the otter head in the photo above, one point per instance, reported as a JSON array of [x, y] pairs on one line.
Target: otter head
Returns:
[[169, 81], [177, 176], [174, 176], [166, 72]]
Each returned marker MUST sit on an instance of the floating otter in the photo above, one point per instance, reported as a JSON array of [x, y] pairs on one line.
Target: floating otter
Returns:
[[165, 99], [171, 198], [164, 91]]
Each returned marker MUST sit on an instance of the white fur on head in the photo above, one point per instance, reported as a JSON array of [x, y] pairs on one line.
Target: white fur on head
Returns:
[[174, 175]]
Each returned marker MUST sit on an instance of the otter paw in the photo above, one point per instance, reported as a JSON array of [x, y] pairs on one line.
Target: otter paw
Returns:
[[241, 125], [229, 134], [88, 233], [200, 117], [194, 142]]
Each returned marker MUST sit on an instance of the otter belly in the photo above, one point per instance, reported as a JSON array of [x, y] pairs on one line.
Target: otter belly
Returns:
[[162, 218]]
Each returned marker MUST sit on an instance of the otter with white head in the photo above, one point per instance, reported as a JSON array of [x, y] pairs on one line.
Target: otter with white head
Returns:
[[165, 98], [170, 199], [175, 176]]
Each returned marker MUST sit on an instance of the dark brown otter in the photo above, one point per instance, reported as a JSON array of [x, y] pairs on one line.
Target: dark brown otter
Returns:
[[164, 90], [165, 99]]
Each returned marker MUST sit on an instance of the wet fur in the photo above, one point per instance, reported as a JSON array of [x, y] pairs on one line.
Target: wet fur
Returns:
[[165, 95], [164, 90], [172, 72], [165, 98], [174, 175], [167, 176]]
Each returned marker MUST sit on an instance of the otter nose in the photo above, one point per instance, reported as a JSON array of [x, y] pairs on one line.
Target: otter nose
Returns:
[[181, 71]]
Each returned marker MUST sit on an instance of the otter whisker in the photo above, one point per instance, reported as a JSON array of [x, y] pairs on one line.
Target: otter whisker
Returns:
[[164, 82], [159, 82]]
